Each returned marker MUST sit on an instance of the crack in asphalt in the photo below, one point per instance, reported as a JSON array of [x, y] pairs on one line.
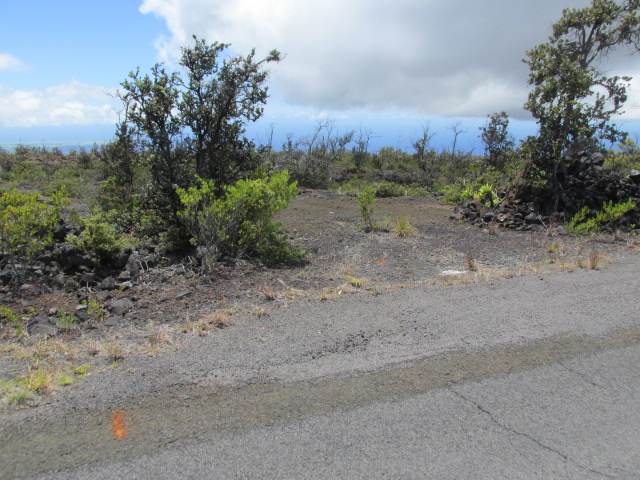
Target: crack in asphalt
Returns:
[[582, 376], [501, 425]]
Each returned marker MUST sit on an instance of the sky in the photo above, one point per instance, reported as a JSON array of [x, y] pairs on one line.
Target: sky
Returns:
[[388, 68]]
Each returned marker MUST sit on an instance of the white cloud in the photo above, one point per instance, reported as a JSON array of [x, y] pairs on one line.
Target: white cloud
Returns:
[[9, 63], [67, 104], [432, 57]]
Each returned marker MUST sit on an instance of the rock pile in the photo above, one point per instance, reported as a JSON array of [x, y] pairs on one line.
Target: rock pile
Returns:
[[584, 181], [62, 268]]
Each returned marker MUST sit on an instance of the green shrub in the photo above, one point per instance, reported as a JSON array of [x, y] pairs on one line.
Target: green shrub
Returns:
[[625, 158], [389, 189], [98, 237], [455, 193], [26, 225], [12, 320], [7, 162], [351, 187], [240, 221], [275, 249], [458, 192], [487, 194], [367, 200], [581, 225]]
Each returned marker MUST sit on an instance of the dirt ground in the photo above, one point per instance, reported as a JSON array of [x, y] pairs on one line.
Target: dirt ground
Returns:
[[342, 259], [340, 254]]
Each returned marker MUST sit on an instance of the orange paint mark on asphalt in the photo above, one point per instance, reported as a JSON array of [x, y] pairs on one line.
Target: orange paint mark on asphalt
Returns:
[[118, 425]]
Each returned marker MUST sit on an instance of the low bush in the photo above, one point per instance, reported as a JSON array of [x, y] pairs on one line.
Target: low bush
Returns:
[[625, 158], [26, 225], [99, 238], [583, 224], [240, 221], [389, 189]]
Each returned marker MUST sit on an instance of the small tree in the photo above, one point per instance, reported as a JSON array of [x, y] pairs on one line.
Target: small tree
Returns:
[[424, 153], [308, 159], [360, 152], [189, 123], [573, 99], [497, 140]]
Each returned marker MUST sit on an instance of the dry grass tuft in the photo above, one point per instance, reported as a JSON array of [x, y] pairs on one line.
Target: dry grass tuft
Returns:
[[93, 347], [292, 293], [551, 247], [472, 266], [157, 340], [268, 292], [328, 294], [114, 350], [594, 259], [210, 321]]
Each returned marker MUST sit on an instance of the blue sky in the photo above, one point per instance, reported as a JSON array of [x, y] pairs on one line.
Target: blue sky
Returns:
[[389, 67]]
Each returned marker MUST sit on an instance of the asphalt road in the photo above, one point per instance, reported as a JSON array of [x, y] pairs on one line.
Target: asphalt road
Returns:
[[536, 376]]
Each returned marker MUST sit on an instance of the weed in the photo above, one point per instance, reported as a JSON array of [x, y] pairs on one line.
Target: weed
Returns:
[[472, 266], [291, 293], [355, 282], [553, 224], [374, 290], [594, 259], [403, 228], [13, 392], [114, 350], [95, 309], [18, 395], [82, 369], [38, 379], [64, 379], [16, 323], [551, 248], [65, 319], [158, 338], [617, 235]]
